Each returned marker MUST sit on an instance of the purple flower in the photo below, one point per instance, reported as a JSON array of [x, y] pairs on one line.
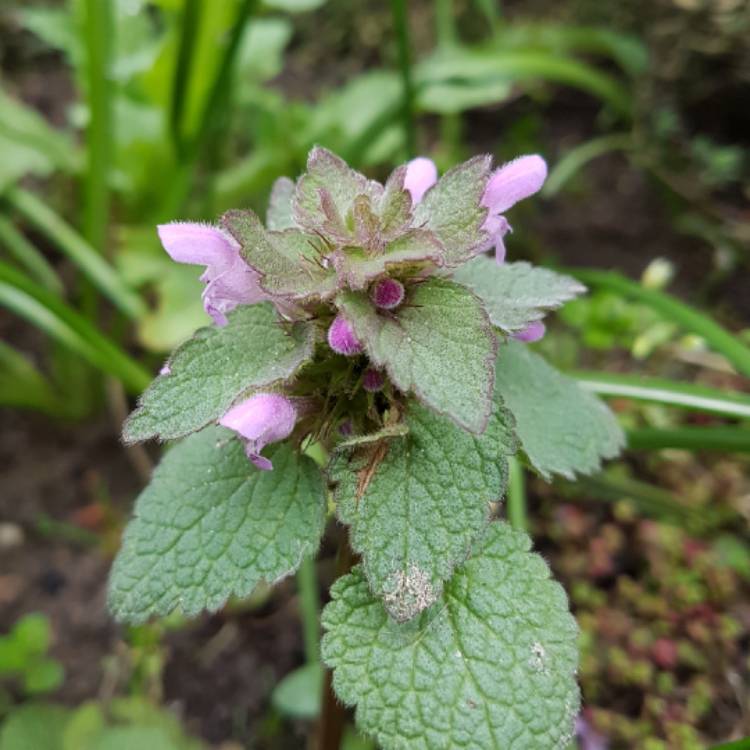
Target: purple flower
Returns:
[[387, 293], [341, 337], [259, 420], [588, 737], [532, 332], [229, 280], [514, 181], [421, 175], [373, 380]]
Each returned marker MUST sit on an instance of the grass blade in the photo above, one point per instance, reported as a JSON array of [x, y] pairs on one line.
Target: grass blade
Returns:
[[671, 308], [401, 26], [66, 239], [723, 439], [46, 311], [28, 256]]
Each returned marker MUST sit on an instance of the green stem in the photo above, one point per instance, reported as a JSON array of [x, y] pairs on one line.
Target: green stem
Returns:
[[667, 392], [101, 273], [46, 311], [401, 26], [516, 495], [98, 32], [445, 25], [307, 586], [189, 26], [717, 337], [724, 439], [743, 744], [29, 257]]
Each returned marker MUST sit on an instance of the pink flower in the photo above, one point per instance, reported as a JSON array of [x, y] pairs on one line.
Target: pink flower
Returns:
[[229, 280], [514, 181], [341, 337], [421, 175], [532, 332], [259, 420]]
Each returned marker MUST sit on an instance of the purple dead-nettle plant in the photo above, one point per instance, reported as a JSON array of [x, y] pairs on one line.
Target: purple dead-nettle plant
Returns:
[[379, 327]]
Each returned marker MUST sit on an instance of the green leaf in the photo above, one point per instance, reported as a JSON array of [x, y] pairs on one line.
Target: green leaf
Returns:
[[298, 695], [43, 676], [490, 665], [294, 6], [452, 209], [415, 504], [516, 294], [288, 261], [563, 428], [214, 368], [279, 214], [439, 345], [357, 267], [210, 526], [34, 727]]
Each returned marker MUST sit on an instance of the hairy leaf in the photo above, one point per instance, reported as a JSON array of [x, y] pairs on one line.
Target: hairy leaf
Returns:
[[490, 665], [214, 368], [288, 261], [211, 526], [417, 249], [563, 428], [516, 294], [416, 504], [452, 210], [439, 345], [279, 214]]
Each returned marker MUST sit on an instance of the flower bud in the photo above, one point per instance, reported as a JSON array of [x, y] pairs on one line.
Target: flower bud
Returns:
[[261, 419], [341, 337], [373, 380], [387, 293], [421, 175], [532, 332]]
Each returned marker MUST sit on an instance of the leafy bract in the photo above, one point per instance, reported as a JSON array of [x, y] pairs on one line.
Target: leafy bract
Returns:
[[516, 294], [418, 249], [287, 261], [490, 665], [211, 370], [439, 345], [211, 526], [452, 209], [416, 503], [563, 428]]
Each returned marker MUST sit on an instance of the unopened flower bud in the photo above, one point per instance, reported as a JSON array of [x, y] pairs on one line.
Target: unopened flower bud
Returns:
[[387, 293], [373, 380], [341, 337], [532, 332]]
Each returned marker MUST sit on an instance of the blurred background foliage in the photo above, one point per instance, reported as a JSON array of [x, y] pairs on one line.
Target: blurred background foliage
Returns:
[[116, 115]]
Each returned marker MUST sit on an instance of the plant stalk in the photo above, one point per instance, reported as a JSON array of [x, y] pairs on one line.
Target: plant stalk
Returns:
[[401, 26], [516, 495], [309, 601], [333, 712]]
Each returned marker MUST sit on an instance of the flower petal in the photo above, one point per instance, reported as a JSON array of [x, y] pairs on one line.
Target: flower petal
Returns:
[[421, 175], [201, 244], [514, 181], [533, 332]]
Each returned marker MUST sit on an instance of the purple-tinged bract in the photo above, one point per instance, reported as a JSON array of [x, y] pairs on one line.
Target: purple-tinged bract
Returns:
[[259, 420]]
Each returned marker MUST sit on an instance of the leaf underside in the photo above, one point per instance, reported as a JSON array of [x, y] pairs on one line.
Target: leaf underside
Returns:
[[490, 665], [211, 370], [210, 526], [415, 504], [563, 428]]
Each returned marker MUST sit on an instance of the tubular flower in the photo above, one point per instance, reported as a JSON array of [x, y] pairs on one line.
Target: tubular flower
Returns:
[[259, 420], [229, 280], [341, 338], [514, 181], [532, 332], [421, 175]]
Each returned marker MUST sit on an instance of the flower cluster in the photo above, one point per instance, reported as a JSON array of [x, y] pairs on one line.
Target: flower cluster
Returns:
[[336, 231]]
